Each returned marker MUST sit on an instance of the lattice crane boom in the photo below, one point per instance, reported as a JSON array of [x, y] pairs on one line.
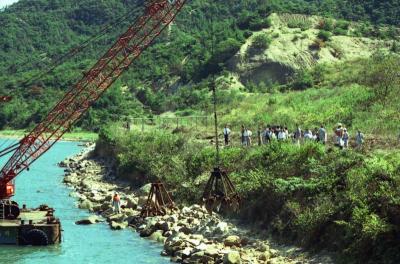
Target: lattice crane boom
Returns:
[[157, 16]]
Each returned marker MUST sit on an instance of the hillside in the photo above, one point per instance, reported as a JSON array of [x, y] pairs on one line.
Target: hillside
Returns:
[[34, 34], [279, 62]]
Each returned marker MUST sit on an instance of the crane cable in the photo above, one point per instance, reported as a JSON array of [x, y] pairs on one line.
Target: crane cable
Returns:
[[9, 149], [214, 92]]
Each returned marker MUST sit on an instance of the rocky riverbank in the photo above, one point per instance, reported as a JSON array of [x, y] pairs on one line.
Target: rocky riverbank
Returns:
[[189, 234]]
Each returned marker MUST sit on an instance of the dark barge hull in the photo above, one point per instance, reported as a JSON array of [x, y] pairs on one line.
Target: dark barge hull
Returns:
[[33, 227]]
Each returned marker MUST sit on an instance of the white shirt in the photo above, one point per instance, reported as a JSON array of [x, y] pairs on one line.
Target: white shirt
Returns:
[[282, 135], [227, 131], [308, 135], [247, 133]]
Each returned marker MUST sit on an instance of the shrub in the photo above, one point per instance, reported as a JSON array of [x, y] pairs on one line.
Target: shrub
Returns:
[[296, 21], [342, 24], [261, 41], [247, 33], [340, 32], [302, 80], [259, 23], [318, 44], [324, 35], [326, 24]]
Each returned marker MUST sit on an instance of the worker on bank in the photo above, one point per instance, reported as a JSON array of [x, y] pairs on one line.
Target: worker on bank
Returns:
[[308, 135], [359, 139], [323, 136], [346, 138], [227, 133], [267, 135], [298, 134], [339, 135], [282, 134], [288, 136], [242, 139], [316, 134], [116, 203], [247, 137], [260, 135]]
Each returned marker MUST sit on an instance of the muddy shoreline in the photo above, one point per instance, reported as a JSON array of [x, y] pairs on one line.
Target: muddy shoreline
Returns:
[[189, 234]]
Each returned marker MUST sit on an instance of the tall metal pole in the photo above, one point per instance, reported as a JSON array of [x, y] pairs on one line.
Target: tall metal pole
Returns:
[[214, 91]]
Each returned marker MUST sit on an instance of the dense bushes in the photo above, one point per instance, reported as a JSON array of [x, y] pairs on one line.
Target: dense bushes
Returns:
[[324, 198], [261, 41], [324, 35]]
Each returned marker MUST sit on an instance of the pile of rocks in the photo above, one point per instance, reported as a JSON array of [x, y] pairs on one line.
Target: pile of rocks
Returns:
[[192, 235], [189, 235]]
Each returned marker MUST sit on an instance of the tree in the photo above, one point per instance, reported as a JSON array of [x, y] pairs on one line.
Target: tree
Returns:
[[382, 74]]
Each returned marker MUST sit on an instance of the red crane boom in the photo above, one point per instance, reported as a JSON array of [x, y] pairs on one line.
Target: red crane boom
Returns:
[[157, 16]]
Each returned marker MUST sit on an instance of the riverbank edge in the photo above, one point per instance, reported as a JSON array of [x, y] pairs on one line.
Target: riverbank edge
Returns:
[[69, 137], [189, 235]]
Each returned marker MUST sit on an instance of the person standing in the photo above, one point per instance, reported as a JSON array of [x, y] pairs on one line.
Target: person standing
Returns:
[[339, 136], [282, 135], [227, 133], [247, 137], [323, 136], [287, 132], [316, 134], [260, 135], [242, 139], [298, 135], [277, 130], [359, 139], [346, 138], [116, 203], [308, 135], [267, 135]]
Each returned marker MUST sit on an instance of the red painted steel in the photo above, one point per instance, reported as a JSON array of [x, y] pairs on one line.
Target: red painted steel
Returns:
[[157, 16]]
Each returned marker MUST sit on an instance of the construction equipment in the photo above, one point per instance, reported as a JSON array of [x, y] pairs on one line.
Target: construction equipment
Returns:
[[157, 16], [158, 201], [219, 191]]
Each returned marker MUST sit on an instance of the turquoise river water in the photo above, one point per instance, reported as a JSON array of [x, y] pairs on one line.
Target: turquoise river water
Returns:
[[81, 244]]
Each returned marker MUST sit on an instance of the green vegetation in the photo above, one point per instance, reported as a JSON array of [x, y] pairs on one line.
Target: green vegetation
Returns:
[[324, 35], [261, 41], [297, 21], [318, 197], [35, 35], [315, 196]]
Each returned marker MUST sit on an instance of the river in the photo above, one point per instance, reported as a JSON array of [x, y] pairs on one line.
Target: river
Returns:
[[81, 244]]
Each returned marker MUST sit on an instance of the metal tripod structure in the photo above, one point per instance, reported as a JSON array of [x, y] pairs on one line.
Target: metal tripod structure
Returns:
[[158, 203]]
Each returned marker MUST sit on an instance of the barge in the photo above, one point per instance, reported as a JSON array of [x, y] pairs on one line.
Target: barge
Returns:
[[36, 227]]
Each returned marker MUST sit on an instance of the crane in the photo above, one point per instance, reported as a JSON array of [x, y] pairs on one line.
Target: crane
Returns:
[[158, 14]]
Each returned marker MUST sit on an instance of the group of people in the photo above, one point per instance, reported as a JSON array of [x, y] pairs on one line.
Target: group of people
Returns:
[[281, 133]]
